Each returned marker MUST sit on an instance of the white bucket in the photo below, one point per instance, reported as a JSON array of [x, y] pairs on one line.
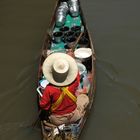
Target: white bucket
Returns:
[[83, 53]]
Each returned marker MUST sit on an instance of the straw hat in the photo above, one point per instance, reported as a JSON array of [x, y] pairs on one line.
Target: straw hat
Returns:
[[60, 69]]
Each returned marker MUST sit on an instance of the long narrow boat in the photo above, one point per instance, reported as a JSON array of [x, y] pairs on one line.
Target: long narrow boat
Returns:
[[76, 39]]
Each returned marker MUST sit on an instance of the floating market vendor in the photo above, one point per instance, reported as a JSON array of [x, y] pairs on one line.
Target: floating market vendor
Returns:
[[59, 97]]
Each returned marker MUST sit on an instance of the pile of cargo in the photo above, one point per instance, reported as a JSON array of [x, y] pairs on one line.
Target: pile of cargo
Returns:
[[70, 6]]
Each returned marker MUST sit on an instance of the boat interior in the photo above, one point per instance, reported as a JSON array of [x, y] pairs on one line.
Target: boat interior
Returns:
[[68, 34]]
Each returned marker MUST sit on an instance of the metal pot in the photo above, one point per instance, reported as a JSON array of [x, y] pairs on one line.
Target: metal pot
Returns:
[[64, 29], [57, 37], [76, 28], [67, 35], [70, 41]]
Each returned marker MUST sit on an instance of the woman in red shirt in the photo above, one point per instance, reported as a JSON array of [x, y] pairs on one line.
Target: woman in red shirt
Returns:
[[59, 96]]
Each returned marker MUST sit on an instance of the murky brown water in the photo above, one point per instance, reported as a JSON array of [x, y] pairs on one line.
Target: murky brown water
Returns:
[[115, 27]]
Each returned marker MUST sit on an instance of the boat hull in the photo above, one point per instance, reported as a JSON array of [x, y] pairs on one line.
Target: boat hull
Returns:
[[69, 131]]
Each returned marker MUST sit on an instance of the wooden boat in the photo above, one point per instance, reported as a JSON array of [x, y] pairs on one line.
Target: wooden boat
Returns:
[[67, 131]]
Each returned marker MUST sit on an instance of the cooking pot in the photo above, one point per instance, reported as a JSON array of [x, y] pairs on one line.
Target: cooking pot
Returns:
[[57, 36], [64, 29], [67, 35], [76, 28], [70, 41]]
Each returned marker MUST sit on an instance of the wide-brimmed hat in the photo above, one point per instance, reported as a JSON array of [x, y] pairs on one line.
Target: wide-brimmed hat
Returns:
[[60, 69]]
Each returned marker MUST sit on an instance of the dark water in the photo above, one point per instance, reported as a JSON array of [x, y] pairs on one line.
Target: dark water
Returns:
[[115, 27]]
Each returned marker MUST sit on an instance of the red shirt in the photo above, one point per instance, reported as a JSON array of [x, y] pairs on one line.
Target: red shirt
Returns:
[[52, 93]]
